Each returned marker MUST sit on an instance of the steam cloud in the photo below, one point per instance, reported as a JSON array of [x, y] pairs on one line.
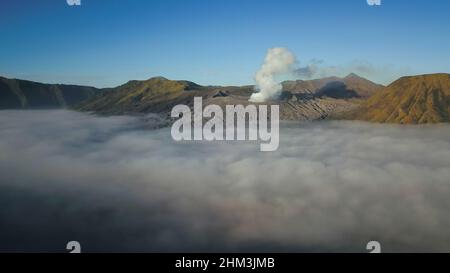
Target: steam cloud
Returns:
[[278, 61], [114, 185]]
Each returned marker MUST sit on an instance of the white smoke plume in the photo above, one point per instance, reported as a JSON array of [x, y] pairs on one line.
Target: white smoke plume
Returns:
[[278, 61]]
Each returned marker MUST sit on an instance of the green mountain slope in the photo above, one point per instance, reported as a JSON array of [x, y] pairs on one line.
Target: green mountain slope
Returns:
[[153, 95]]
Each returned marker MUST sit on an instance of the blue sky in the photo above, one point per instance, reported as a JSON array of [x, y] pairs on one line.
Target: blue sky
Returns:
[[106, 43]]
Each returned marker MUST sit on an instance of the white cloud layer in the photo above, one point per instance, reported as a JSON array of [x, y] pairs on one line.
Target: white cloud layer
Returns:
[[114, 185]]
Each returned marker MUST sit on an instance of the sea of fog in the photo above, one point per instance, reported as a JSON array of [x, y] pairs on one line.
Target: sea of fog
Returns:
[[115, 184]]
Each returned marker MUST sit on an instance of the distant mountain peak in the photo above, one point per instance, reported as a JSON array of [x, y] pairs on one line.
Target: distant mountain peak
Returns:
[[353, 75], [350, 86], [157, 78]]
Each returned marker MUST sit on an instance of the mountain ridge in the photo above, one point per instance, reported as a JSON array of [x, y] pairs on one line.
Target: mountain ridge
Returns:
[[24, 94], [409, 100], [354, 85], [298, 101]]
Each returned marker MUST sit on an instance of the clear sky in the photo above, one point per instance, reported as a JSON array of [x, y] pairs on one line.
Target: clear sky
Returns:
[[108, 42]]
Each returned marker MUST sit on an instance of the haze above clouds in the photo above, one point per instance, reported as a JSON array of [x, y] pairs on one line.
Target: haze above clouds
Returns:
[[115, 185]]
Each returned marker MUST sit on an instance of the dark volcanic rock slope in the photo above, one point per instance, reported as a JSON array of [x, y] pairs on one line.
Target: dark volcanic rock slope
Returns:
[[21, 94]]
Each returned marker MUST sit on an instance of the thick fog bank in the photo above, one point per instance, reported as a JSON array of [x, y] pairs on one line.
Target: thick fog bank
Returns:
[[114, 185]]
